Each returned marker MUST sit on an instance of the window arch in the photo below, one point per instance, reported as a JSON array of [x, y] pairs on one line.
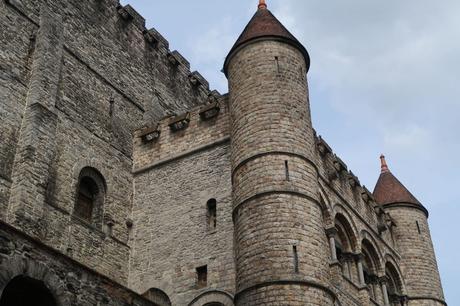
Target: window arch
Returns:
[[344, 243], [158, 297], [90, 196], [394, 286], [370, 267], [37, 293]]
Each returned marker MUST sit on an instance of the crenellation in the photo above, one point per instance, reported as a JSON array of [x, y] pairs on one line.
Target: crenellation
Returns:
[[175, 58], [128, 13], [197, 79], [154, 37]]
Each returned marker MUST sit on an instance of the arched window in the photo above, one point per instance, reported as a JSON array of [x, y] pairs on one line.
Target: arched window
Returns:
[[370, 267], [90, 196], [394, 286], [25, 291], [344, 243], [158, 297]]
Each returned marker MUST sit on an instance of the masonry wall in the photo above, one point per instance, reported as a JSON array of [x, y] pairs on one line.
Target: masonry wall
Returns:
[[77, 78], [69, 282], [418, 262], [175, 176]]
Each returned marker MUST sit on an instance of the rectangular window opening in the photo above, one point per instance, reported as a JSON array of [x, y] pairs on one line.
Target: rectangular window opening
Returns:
[[202, 276], [418, 227], [277, 64], [212, 214], [286, 168], [296, 259]]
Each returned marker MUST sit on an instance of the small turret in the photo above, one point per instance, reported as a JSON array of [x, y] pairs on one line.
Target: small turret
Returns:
[[413, 239]]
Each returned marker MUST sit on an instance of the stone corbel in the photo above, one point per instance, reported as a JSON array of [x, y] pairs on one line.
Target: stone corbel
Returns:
[[366, 195], [124, 13], [172, 59], [180, 122], [332, 174], [210, 111], [150, 134], [323, 147], [150, 38], [353, 180], [339, 165]]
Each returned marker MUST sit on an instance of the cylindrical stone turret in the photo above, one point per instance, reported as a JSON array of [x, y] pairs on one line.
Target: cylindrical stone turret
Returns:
[[413, 240], [280, 244]]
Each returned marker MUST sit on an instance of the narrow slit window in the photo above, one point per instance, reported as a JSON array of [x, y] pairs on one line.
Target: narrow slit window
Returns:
[[296, 259], [286, 169], [202, 276], [277, 63], [418, 227], [212, 214]]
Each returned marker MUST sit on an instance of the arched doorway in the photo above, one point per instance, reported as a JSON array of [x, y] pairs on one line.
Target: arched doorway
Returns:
[[26, 291]]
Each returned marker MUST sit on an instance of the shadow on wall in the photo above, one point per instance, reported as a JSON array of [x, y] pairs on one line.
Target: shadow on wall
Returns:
[[37, 293]]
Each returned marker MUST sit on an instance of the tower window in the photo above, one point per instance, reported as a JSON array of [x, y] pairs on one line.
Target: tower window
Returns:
[[296, 259], [286, 169], [90, 196], [202, 276], [277, 63], [418, 227], [212, 214]]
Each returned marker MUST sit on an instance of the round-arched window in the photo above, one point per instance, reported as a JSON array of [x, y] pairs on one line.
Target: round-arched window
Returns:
[[90, 196]]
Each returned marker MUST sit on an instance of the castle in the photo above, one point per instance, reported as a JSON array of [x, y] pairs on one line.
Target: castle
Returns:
[[124, 180]]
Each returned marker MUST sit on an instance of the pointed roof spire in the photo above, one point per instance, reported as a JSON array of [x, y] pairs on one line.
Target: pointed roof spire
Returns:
[[389, 190], [384, 166], [265, 26], [262, 4]]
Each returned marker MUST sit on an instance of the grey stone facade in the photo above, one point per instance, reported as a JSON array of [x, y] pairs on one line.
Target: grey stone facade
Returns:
[[192, 197]]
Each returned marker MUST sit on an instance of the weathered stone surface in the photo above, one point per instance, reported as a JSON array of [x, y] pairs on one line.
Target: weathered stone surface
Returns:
[[69, 282], [81, 82]]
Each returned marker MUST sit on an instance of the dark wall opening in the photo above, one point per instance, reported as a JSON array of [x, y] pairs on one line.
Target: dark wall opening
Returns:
[[26, 291]]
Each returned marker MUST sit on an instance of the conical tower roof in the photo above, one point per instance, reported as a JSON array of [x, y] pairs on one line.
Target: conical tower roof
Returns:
[[389, 190], [264, 25]]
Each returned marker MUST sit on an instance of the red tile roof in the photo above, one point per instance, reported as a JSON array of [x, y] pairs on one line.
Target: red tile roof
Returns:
[[265, 25], [390, 190]]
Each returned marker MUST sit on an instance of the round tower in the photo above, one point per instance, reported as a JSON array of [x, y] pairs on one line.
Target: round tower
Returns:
[[413, 240], [280, 244]]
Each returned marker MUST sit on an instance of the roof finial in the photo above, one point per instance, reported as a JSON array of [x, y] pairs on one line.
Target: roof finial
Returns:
[[384, 165], [262, 4]]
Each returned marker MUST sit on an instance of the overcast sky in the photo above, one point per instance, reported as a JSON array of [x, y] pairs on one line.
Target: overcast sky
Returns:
[[384, 78]]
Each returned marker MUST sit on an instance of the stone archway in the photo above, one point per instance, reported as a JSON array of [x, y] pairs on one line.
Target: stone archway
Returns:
[[26, 291], [212, 298]]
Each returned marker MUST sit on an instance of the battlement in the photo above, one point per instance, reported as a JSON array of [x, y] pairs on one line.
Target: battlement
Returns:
[[154, 38], [334, 173], [179, 135], [129, 27]]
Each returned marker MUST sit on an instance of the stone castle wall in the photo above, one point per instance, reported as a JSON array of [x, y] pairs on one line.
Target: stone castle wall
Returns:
[[175, 177], [69, 282], [82, 83], [77, 79]]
